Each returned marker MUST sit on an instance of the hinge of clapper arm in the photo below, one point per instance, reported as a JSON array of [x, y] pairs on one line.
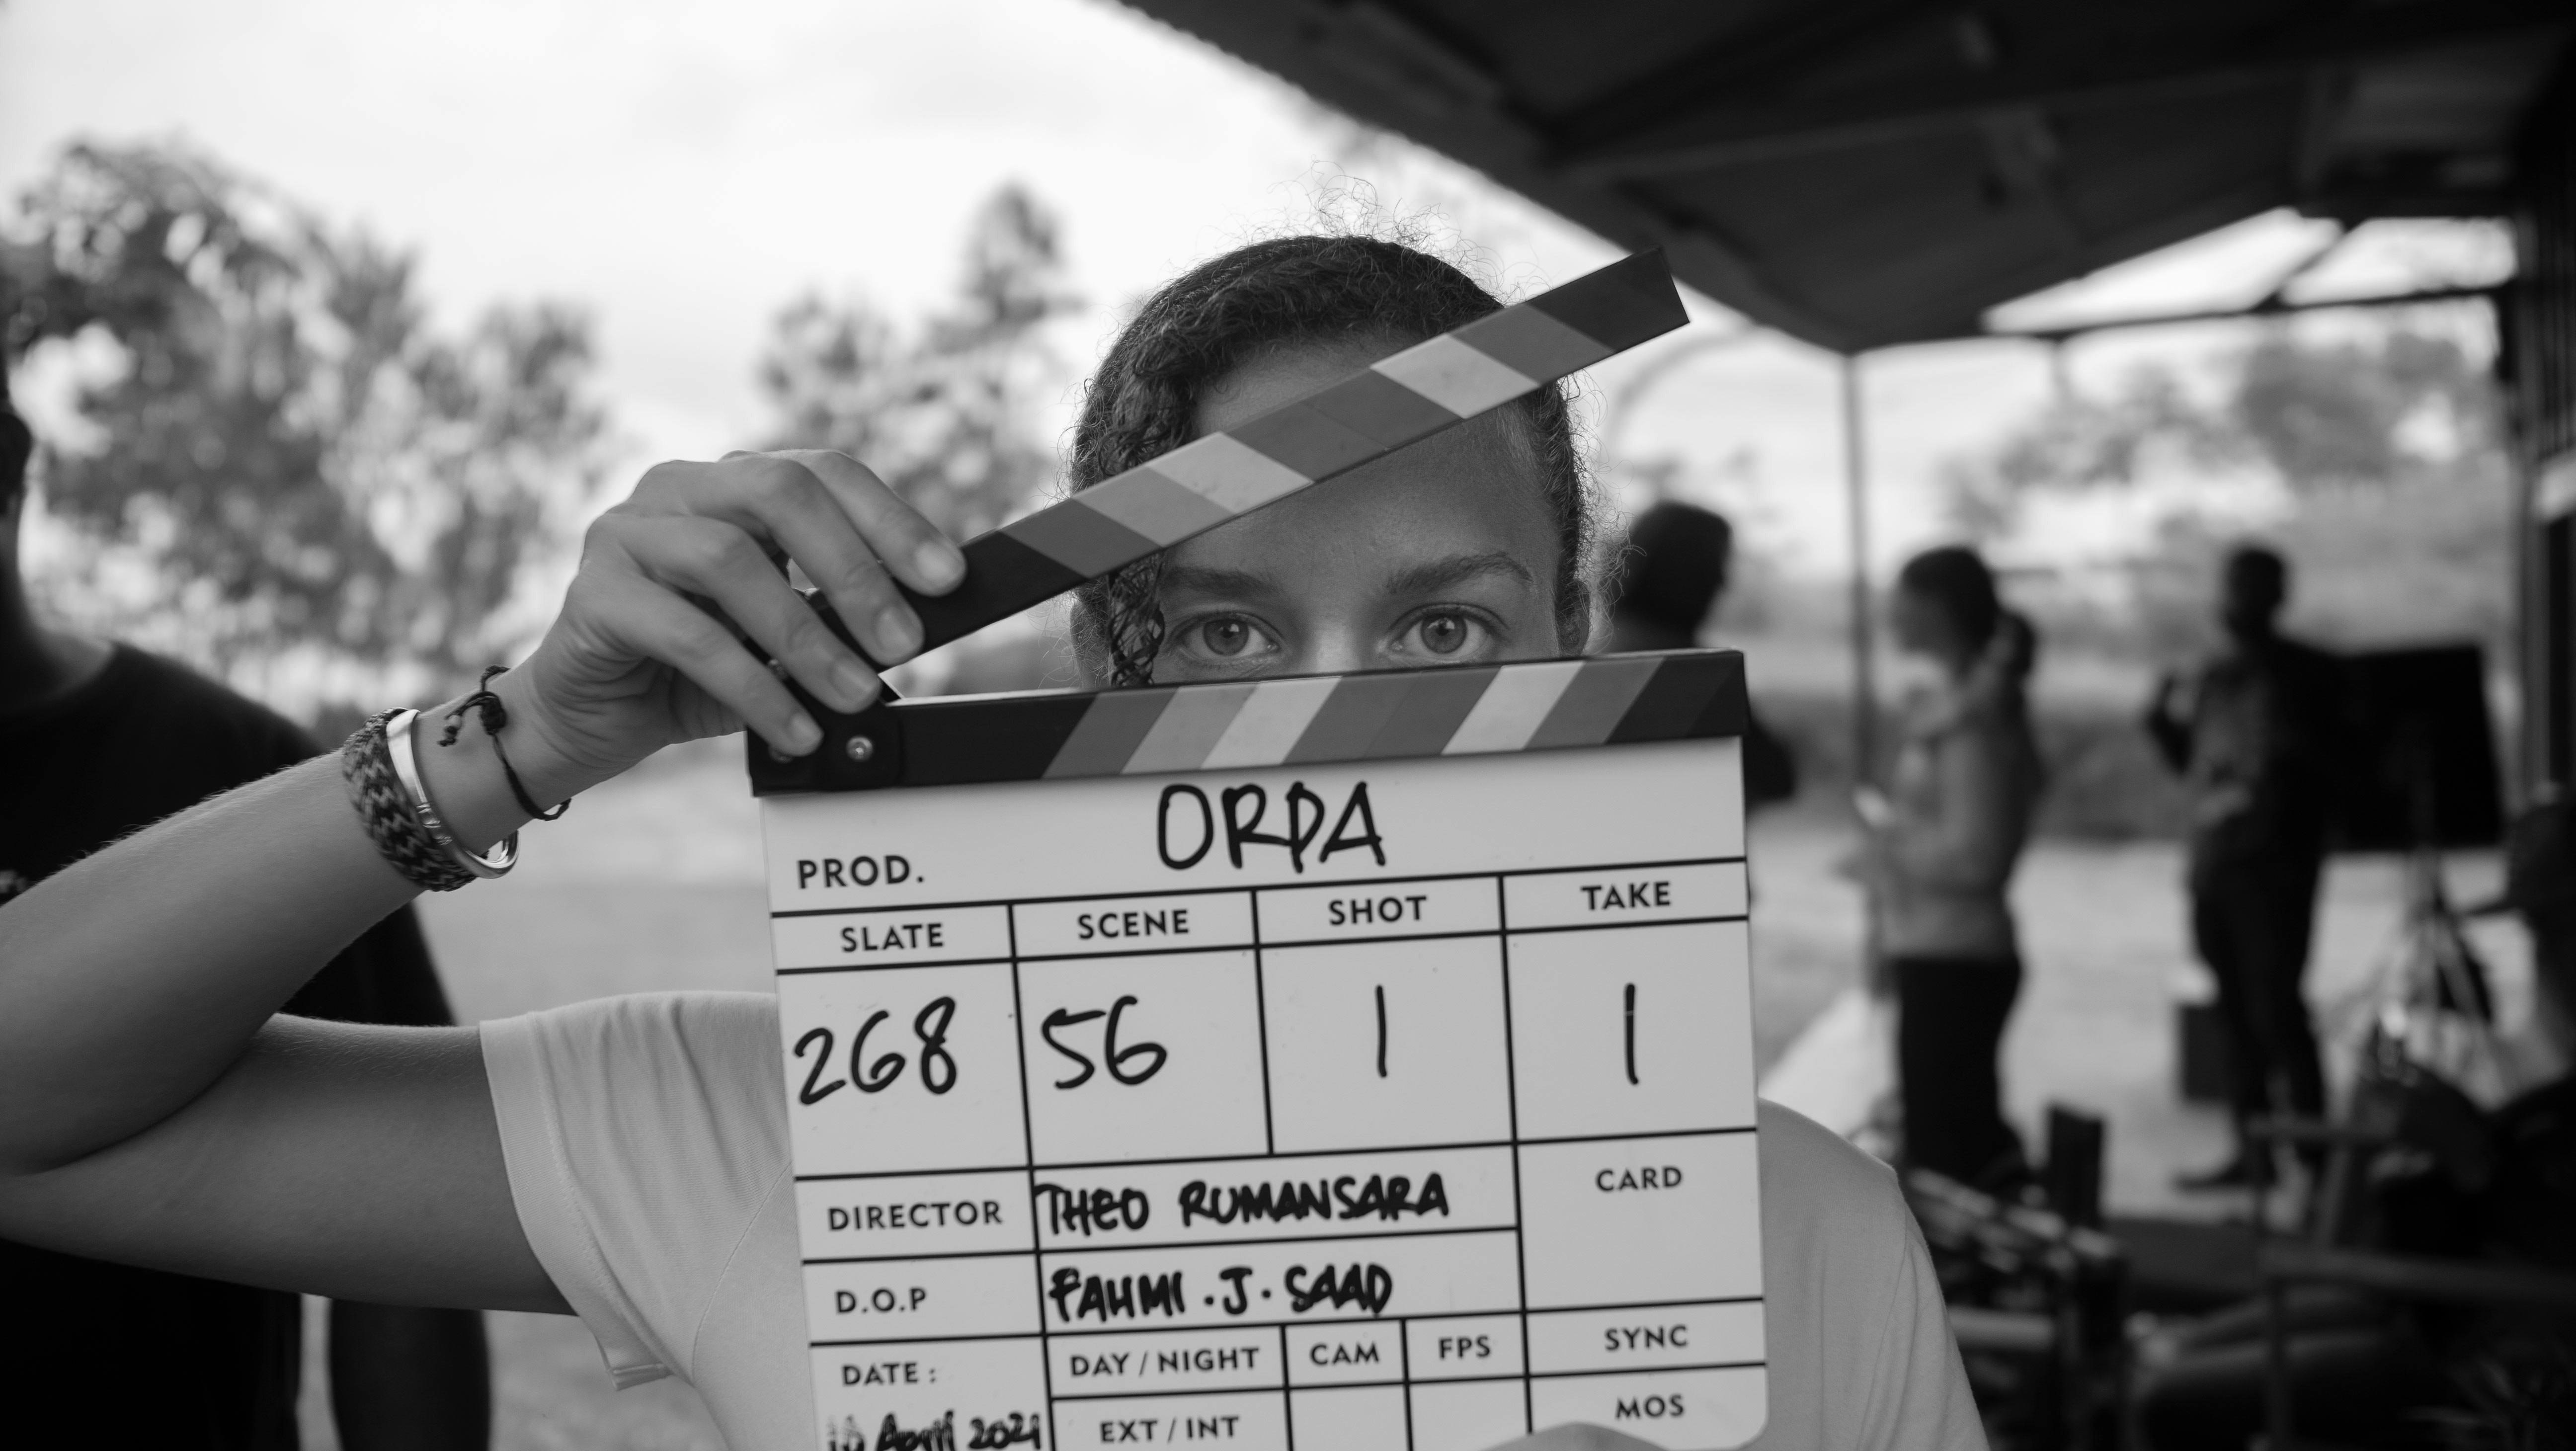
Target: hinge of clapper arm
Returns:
[[1453, 710], [1396, 401]]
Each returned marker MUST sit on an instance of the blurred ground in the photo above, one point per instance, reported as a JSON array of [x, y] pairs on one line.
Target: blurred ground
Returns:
[[653, 882]]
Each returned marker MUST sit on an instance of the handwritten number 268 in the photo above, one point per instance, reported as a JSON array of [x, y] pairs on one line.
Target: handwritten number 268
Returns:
[[938, 1069]]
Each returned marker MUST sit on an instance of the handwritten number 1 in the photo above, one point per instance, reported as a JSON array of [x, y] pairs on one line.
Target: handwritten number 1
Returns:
[[1381, 1030], [1632, 1032]]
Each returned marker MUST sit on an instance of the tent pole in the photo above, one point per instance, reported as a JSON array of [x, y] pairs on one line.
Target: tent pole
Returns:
[[1864, 641]]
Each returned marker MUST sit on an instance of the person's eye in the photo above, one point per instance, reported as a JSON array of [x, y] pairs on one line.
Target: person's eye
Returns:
[[1227, 637], [1447, 633]]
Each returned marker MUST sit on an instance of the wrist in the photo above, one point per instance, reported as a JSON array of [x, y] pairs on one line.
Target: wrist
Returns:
[[464, 778], [550, 770]]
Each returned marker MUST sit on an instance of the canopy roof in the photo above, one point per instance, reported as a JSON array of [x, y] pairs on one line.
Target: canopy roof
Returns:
[[1862, 173]]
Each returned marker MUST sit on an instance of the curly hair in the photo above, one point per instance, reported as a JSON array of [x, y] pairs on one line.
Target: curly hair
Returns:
[[1224, 313]]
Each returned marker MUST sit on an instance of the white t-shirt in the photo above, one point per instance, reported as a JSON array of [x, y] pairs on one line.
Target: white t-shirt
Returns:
[[646, 1139]]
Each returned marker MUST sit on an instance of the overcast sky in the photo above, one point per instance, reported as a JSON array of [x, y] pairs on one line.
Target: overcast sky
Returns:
[[684, 169]]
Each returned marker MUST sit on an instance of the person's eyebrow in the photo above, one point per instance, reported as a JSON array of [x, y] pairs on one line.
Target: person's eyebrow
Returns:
[[1432, 576], [1204, 579]]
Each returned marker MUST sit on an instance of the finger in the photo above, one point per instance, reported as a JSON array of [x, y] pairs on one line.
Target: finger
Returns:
[[898, 539], [653, 622], [726, 565], [788, 502], [897, 533], [852, 535], [921, 556]]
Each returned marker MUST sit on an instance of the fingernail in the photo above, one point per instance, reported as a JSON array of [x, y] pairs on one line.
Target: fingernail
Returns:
[[856, 681], [802, 734], [940, 564], [896, 630]]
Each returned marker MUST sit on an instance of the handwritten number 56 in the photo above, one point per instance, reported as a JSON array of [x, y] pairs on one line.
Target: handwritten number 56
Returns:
[[1117, 1058], [930, 1026]]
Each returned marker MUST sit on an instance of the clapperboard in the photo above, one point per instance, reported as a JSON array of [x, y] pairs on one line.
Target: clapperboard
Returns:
[[1358, 1062]]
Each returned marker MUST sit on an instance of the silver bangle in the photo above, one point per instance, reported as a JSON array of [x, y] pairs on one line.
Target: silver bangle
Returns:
[[403, 747]]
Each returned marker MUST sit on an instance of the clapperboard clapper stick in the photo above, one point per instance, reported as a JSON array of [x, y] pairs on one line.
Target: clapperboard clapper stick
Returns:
[[1396, 401]]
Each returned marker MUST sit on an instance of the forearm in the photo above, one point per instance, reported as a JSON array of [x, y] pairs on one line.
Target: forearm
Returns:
[[131, 980], [408, 1379]]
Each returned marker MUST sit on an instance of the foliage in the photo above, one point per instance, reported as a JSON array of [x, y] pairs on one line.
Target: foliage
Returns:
[[941, 414], [2408, 407], [2382, 458], [303, 461], [2080, 442]]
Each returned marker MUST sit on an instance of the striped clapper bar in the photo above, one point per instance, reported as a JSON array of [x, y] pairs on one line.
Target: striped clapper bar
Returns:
[[1393, 402], [1295, 720]]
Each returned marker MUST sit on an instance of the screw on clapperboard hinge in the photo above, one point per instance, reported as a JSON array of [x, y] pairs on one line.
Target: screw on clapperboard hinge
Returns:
[[860, 748]]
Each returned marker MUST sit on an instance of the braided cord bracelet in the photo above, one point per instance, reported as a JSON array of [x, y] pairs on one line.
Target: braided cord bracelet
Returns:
[[391, 814]]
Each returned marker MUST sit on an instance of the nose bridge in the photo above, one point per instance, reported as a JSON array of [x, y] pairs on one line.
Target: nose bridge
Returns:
[[1334, 646]]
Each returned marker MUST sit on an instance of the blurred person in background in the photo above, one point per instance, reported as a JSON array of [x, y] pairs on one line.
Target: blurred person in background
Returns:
[[1938, 862], [2248, 729], [98, 740], [1675, 575]]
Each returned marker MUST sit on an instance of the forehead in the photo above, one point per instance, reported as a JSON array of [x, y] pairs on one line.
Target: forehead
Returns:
[[1472, 488]]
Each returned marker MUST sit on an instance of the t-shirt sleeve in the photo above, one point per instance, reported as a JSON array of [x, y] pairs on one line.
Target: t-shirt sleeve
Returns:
[[1861, 1354], [1920, 1400], [643, 1136]]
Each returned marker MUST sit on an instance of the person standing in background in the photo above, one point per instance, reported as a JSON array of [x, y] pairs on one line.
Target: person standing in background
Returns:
[[1676, 569], [1939, 860], [2249, 731], [98, 740]]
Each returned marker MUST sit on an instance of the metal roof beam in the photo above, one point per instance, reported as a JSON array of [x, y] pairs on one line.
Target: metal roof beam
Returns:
[[1741, 66], [2272, 306], [1745, 129]]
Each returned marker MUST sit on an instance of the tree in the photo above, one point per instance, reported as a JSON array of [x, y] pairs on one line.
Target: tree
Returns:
[[2080, 443], [942, 414], [2410, 407], [302, 462], [2406, 408], [2386, 454]]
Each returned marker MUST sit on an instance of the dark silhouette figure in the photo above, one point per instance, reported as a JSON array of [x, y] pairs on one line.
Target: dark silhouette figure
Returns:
[[101, 740], [2249, 731], [1678, 560]]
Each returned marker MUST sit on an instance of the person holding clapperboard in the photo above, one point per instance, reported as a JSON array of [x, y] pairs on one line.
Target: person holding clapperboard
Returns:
[[625, 1159]]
